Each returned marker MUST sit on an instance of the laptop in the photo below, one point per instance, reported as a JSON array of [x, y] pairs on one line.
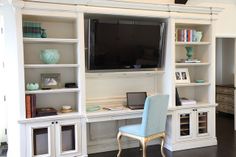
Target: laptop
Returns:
[[136, 100]]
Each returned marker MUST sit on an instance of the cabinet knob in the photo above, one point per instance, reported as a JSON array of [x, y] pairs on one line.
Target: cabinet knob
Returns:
[[56, 122], [194, 109], [52, 122]]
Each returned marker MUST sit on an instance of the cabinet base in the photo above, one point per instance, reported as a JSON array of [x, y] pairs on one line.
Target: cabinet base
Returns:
[[191, 144]]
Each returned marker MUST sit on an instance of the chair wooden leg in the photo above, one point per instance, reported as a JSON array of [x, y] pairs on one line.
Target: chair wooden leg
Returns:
[[119, 145], [162, 145], [140, 146], [143, 142]]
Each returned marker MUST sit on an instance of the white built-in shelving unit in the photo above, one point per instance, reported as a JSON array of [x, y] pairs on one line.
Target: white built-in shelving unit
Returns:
[[75, 133], [61, 134], [195, 121]]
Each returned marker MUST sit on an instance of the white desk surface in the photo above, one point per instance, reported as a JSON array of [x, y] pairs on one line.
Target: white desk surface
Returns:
[[120, 114]]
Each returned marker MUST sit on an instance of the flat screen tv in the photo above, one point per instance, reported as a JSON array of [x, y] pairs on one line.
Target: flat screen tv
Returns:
[[119, 45]]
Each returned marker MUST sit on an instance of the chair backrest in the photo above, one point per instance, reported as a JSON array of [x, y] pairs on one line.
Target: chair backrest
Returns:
[[154, 114]]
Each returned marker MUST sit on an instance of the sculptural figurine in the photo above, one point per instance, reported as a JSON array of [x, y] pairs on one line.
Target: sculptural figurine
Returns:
[[189, 53]]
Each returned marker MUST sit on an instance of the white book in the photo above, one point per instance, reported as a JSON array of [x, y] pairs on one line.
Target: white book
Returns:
[[185, 101]]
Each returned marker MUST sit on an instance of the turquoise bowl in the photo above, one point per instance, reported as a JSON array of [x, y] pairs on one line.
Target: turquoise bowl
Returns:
[[32, 86], [50, 56]]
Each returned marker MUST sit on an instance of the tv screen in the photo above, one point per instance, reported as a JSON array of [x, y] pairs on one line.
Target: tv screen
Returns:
[[125, 45]]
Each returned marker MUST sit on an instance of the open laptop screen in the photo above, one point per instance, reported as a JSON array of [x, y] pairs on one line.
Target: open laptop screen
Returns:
[[136, 99]]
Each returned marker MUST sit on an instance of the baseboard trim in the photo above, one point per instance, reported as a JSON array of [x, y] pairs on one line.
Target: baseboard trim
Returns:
[[104, 147], [191, 144]]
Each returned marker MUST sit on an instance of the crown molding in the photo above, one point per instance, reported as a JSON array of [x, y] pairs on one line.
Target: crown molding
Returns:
[[70, 5]]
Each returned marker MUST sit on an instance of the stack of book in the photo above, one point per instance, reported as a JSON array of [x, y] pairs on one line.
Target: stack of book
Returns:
[[30, 105], [185, 35], [32, 29], [189, 61], [187, 102]]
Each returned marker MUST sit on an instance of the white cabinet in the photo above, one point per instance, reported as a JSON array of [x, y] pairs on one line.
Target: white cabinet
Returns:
[[194, 123], [60, 138]]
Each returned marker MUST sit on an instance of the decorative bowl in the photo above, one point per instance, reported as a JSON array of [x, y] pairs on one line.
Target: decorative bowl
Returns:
[[50, 56], [32, 86], [199, 81]]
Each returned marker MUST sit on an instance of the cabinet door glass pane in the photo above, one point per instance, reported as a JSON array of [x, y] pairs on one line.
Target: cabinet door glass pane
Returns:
[[40, 141], [202, 122], [68, 138], [184, 124]]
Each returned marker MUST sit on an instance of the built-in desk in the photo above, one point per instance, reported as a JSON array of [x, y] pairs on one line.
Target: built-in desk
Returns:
[[124, 113], [102, 127]]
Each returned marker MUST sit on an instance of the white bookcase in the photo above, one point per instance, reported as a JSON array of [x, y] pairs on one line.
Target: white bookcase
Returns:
[[59, 135], [62, 36], [202, 51], [197, 121]]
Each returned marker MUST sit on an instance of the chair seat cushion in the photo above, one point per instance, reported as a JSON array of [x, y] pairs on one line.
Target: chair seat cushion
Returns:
[[133, 130]]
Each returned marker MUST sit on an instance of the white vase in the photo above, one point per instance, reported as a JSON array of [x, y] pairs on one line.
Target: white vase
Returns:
[[198, 35]]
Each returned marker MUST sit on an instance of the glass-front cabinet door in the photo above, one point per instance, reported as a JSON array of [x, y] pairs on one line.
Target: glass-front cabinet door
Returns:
[[68, 135], [41, 140], [203, 116], [184, 124]]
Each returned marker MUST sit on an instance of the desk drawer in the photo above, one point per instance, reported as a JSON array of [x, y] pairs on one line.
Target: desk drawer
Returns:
[[225, 107], [225, 90]]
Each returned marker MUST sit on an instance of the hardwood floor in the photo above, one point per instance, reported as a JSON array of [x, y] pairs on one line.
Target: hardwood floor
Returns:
[[226, 145]]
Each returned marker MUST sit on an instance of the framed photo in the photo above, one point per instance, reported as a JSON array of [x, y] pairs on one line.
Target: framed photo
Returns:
[[50, 80], [182, 75]]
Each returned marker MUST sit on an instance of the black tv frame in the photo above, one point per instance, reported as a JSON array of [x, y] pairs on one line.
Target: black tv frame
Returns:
[[162, 48]]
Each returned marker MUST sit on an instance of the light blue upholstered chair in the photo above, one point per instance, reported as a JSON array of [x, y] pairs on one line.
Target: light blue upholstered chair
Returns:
[[152, 126]]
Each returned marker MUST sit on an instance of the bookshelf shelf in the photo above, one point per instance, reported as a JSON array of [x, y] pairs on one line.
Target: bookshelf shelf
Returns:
[[51, 66], [191, 43], [193, 84], [191, 64], [50, 40], [62, 90]]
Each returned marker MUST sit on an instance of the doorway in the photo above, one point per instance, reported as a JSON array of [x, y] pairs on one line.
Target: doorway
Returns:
[[225, 76]]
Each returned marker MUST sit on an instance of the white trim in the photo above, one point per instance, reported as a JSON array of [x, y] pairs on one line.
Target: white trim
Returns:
[[51, 66], [61, 90], [63, 116], [191, 144], [225, 36], [137, 5]]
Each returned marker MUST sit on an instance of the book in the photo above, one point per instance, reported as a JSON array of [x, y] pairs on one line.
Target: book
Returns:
[[28, 106], [33, 105], [177, 100], [189, 61], [46, 111], [186, 101]]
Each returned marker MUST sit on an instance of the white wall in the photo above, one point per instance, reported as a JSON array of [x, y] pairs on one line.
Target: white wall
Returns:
[[219, 61], [225, 25], [3, 115], [12, 80]]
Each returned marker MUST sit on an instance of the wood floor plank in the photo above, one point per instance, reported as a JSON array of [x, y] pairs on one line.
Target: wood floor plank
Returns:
[[226, 147]]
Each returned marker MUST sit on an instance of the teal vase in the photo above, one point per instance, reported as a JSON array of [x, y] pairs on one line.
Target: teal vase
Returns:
[[43, 33], [189, 53], [50, 56]]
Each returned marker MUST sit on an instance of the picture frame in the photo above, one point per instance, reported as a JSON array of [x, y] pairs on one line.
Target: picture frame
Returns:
[[50, 80], [182, 75]]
